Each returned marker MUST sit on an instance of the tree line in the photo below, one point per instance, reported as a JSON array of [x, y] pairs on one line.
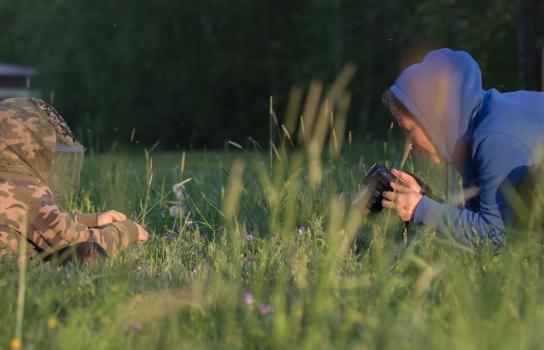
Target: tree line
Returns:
[[193, 74]]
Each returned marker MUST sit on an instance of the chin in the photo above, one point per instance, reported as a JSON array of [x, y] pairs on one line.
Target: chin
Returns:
[[436, 160]]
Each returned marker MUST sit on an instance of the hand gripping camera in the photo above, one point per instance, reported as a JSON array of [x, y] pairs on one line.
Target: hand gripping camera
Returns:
[[377, 181]]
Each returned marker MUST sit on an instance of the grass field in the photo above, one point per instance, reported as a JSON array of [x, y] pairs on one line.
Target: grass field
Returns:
[[258, 257], [262, 249]]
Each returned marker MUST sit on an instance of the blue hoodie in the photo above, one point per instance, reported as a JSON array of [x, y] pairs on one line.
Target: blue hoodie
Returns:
[[491, 138]]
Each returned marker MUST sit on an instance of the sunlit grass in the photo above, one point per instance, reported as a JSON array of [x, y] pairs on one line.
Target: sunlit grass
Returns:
[[264, 251], [329, 285]]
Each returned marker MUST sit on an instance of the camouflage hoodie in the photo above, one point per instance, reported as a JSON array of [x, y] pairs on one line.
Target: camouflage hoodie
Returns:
[[28, 138]]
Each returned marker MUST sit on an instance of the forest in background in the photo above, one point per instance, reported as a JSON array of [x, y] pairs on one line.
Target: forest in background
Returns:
[[194, 74]]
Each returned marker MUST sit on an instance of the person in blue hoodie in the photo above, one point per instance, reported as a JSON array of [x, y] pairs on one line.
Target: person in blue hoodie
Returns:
[[490, 138]]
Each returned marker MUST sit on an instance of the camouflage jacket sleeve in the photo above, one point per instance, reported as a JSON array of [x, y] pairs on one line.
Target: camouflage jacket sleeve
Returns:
[[54, 229], [115, 237], [89, 220]]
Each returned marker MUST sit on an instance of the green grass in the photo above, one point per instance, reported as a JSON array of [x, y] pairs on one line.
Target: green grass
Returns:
[[342, 283], [235, 269]]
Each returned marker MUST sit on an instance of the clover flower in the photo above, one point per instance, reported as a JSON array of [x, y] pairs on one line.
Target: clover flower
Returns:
[[265, 309], [249, 237], [145, 267], [136, 325], [191, 273], [249, 300], [178, 190], [175, 211]]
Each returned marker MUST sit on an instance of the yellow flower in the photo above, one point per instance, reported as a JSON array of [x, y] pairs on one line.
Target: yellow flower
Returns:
[[115, 288], [52, 323], [15, 344]]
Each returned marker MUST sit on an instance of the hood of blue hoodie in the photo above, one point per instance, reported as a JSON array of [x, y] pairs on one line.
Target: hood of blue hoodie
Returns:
[[444, 93]]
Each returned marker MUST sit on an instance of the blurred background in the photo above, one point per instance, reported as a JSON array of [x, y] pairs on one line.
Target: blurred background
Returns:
[[194, 74]]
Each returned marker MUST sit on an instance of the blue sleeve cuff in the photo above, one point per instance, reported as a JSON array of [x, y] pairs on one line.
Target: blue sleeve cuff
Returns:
[[425, 211]]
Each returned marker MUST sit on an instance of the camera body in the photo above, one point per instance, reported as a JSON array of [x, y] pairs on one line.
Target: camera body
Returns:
[[376, 182]]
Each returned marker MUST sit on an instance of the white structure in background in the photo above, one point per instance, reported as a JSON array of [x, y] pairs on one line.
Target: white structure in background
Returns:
[[15, 81]]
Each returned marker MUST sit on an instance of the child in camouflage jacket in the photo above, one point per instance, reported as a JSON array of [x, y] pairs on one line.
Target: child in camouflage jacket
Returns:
[[30, 129]]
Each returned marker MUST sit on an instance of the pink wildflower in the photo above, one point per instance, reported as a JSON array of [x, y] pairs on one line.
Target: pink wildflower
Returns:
[[265, 309], [191, 273], [249, 237]]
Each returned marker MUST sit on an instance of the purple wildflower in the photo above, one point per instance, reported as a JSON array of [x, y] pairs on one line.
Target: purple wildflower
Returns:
[[249, 300], [249, 237], [136, 325], [145, 267], [192, 273], [301, 229], [265, 309]]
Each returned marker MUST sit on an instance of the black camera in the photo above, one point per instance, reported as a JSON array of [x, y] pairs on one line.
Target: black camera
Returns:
[[377, 181]]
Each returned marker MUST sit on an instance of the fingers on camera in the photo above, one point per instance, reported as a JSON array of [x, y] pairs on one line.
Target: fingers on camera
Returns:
[[388, 204], [401, 175], [399, 187]]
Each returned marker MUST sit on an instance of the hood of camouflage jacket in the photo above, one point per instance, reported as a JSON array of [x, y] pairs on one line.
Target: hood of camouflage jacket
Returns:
[[27, 138]]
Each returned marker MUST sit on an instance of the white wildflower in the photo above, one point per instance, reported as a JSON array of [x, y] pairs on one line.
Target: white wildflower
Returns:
[[178, 190], [175, 211]]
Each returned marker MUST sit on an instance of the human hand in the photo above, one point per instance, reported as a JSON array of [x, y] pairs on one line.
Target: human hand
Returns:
[[404, 200], [142, 234], [110, 216], [407, 180]]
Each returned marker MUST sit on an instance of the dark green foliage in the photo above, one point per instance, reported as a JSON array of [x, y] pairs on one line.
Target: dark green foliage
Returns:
[[192, 74]]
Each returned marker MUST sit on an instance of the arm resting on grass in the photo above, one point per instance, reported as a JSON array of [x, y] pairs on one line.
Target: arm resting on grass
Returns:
[[499, 160], [54, 229]]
